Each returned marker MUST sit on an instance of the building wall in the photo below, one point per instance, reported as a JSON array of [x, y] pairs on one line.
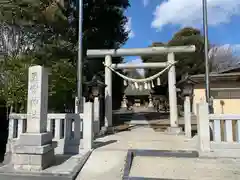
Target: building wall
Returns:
[[226, 95]]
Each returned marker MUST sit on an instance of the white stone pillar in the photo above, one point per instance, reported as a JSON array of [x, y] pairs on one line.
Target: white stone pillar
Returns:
[[58, 136], [203, 127], [79, 105], [187, 117], [88, 126], [21, 126], [58, 129], [35, 150], [12, 133], [96, 127], [76, 104], [172, 92], [108, 92], [67, 129]]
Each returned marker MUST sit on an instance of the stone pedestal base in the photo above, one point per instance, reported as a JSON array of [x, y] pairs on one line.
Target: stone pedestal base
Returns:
[[123, 109], [33, 152], [107, 130], [96, 128], [151, 109], [124, 105], [174, 130], [33, 162], [150, 105]]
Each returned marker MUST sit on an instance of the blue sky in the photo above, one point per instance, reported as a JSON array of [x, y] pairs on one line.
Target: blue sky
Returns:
[[157, 20]]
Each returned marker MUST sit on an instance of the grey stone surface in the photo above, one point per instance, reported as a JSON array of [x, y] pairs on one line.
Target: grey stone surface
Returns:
[[174, 130], [33, 157], [65, 168], [133, 153], [107, 162], [185, 168], [33, 162], [35, 139], [21, 149]]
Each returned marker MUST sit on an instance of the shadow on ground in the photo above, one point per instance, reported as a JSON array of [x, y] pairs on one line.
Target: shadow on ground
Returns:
[[98, 144], [60, 159], [156, 115]]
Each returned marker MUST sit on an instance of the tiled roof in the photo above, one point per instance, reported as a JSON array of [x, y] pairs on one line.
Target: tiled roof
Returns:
[[217, 76]]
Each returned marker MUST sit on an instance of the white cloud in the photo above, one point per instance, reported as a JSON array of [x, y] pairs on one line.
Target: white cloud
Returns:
[[189, 12], [128, 27], [145, 2], [137, 61]]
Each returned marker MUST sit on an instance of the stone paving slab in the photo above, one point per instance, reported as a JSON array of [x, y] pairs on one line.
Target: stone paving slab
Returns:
[[136, 120], [66, 170], [185, 168], [104, 165], [146, 138], [133, 153], [107, 162]]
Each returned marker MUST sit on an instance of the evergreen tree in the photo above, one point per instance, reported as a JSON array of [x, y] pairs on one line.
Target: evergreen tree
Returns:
[[191, 63], [48, 31]]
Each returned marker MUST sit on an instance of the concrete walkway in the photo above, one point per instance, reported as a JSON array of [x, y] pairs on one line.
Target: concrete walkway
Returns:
[[107, 162]]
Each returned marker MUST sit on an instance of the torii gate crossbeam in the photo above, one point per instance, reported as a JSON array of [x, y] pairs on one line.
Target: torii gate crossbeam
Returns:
[[93, 53]]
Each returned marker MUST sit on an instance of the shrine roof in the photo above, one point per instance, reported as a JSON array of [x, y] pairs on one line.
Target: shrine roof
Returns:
[[136, 92]]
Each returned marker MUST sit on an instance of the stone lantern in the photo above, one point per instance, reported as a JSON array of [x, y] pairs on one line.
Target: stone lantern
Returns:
[[187, 85], [187, 88], [94, 88]]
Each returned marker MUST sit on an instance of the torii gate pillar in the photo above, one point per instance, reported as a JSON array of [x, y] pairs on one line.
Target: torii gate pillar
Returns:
[[172, 92], [108, 92]]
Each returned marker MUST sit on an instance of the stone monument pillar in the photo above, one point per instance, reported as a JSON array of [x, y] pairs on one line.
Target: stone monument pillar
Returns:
[[34, 150]]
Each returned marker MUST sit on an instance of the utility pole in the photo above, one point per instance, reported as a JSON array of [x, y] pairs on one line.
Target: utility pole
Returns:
[[78, 101], [205, 28]]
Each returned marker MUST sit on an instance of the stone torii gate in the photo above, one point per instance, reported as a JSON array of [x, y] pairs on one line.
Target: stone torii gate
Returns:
[[170, 51]]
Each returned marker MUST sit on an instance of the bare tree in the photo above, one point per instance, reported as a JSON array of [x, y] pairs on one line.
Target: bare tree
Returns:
[[15, 40], [224, 57], [10, 37]]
